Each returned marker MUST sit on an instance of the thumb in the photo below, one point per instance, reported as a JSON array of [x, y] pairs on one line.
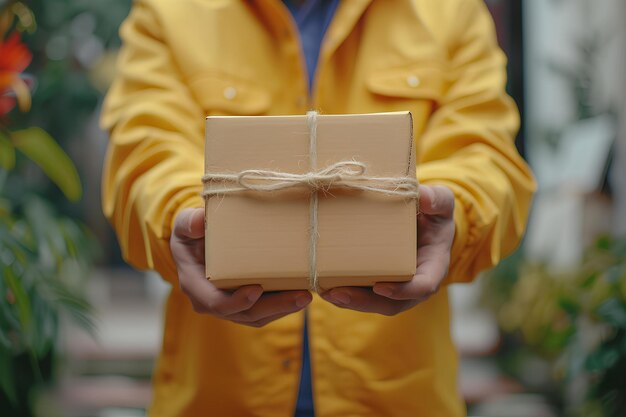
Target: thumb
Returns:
[[436, 200], [189, 224]]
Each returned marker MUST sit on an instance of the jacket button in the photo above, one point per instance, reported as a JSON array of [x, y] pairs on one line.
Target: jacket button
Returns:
[[230, 93], [413, 80]]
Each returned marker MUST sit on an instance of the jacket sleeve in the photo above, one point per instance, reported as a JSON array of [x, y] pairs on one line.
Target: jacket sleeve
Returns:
[[154, 160], [468, 146]]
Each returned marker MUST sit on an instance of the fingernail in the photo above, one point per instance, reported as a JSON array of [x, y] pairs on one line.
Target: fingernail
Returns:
[[384, 290], [340, 297], [254, 294], [302, 301]]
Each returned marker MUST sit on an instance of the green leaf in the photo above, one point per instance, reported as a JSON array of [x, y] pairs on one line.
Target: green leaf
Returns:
[[9, 321], [603, 358], [569, 305], [604, 243], [21, 299], [39, 146], [75, 305], [42, 339], [589, 281], [555, 341], [5, 342], [50, 243], [613, 312], [7, 153], [7, 376]]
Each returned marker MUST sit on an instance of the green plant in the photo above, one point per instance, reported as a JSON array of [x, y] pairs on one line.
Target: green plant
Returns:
[[43, 256], [43, 260], [72, 40], [576, 320], [74, 50]]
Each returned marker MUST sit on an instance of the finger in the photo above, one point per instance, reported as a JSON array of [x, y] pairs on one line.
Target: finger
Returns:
[[435, 231], [189, 224], [272, 304], [187, 251], [262, 322], [206, 298], [197, 251], [430, 272], [436, 200], [363, 299]]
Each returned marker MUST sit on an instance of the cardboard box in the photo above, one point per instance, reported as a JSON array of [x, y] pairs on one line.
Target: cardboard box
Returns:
[[257, 237]]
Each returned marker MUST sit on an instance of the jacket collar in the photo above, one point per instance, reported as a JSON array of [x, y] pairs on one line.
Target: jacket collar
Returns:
[[347, 15]]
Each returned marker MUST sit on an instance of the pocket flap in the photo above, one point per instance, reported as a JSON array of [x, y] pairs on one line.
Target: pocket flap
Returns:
[[416, 82], [230, 94]]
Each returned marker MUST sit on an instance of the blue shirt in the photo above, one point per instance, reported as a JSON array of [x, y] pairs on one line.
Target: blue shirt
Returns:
[[312, 18]]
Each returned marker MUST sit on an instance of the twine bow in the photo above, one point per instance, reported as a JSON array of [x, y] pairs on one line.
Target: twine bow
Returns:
[[343, 174]]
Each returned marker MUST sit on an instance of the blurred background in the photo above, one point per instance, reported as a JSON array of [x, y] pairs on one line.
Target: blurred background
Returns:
[[542, 335]]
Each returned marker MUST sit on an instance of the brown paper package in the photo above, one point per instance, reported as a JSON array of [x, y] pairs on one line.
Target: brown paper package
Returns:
[[255, 237]]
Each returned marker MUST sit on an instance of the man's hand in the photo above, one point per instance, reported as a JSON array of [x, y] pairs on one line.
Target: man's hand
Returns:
[[247, 305], [435, 236]]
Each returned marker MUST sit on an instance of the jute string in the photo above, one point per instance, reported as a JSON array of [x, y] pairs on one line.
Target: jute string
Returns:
[[344, 174]]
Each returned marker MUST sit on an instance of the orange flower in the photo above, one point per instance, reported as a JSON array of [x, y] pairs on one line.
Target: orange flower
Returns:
[[14, 58]]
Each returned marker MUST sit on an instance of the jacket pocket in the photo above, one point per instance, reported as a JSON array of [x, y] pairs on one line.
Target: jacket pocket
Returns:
[[224, 94], [408, 82]]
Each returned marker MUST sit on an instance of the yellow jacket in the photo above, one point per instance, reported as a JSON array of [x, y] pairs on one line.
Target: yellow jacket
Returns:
[[185, 59]]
